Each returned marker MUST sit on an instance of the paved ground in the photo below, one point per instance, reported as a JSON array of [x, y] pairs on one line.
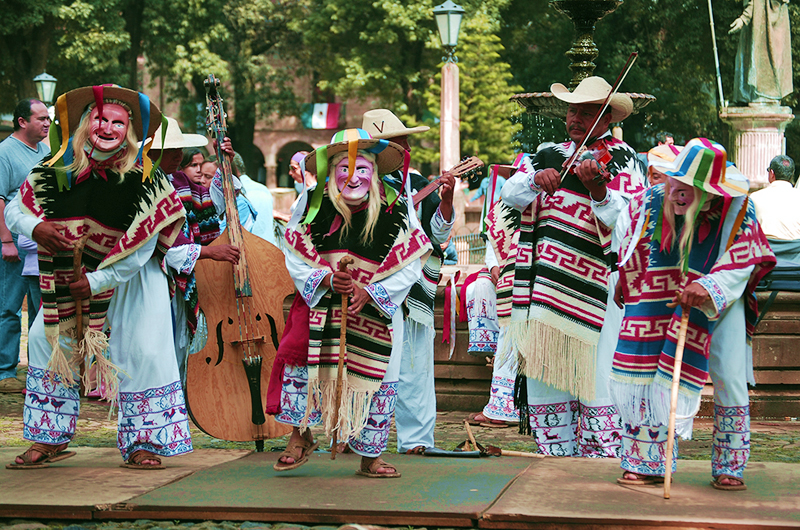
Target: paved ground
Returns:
[[771, 441]]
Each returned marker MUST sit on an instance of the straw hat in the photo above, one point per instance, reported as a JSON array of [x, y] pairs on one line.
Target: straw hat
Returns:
[[663, 154], [388, 155], [703, 164], [595, 90], [144, 113], [177, 139], [382, 123]]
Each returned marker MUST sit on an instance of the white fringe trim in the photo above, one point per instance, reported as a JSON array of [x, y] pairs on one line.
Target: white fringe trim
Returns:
[[353, 410], [553, 353]]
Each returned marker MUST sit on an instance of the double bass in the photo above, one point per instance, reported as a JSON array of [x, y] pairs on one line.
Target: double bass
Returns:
[[226, 381]]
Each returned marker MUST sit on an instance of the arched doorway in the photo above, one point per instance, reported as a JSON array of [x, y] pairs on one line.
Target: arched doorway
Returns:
[[282, 162]]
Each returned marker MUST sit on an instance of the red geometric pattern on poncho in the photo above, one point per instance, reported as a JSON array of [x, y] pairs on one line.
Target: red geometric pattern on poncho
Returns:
[[120, 215]]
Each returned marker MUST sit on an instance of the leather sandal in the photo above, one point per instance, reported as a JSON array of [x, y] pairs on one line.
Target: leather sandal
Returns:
[[418, 450], [371, 470], [50, 453], [716, 482], [297, 449], [640, 480], [135, 461]]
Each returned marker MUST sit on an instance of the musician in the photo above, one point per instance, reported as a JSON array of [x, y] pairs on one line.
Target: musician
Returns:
[[558, 259], [694, 240], [416, 395], [201, 227], [351, 213], [107, 188]]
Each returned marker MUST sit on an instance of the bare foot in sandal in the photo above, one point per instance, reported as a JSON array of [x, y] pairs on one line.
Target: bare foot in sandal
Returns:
[[297, 451], [377, 468], [40, 455]]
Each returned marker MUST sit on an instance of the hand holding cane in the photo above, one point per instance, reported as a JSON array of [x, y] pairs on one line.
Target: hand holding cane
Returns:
[[673, 401], [77, 255], [347, 260]]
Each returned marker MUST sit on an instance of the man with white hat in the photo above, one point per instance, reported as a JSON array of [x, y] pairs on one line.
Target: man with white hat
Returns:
[[694, 242], [558, 271], [201, 227], [415, 415]]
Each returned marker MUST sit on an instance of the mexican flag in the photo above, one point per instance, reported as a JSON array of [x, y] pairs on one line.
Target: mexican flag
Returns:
[[321, 115]]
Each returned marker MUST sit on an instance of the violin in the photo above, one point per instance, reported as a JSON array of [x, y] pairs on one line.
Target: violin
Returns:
[[597, 151]]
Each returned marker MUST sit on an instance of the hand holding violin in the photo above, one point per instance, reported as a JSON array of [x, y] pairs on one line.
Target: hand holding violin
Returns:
[[593, 176]]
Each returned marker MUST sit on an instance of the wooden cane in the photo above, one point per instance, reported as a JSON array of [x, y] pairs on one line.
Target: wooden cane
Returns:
[[347, 260], [77, 256], [673, 399]]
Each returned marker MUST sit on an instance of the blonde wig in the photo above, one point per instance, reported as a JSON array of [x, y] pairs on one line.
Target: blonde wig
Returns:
[[81, 136], [687, 232], [374, 199]]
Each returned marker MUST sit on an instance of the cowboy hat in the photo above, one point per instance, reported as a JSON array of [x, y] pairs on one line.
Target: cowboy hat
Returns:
[[595, 90], [144, 113], [388, 155], [175, 138], [703, 164], [382, 123]]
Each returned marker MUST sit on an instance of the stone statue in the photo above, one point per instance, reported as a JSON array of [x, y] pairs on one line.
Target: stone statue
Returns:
[[764, 59]]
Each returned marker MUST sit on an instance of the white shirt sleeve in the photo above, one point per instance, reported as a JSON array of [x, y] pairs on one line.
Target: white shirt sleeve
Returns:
[[440, 229], [491, 257], [609, 208], [18, 222], [389, 293], [183, 258], [519, 190], [724, 287], [123, 270]]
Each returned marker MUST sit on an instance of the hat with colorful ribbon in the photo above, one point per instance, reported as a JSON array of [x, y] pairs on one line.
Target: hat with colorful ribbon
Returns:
[[388, 158], [388, 155], [703, 164], [70, 107]]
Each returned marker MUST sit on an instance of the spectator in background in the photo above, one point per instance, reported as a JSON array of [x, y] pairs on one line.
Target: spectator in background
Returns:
[[294, 172], [658, 156], [190, 164], [665, 138], [207, 170], [777, 205], [19, 153], [261, 200]]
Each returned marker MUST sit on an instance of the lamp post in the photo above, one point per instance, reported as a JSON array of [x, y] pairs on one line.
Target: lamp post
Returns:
[[448, 20], [46, 87]]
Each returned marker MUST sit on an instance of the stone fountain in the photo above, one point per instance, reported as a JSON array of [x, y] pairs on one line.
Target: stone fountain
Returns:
[[584, 15]]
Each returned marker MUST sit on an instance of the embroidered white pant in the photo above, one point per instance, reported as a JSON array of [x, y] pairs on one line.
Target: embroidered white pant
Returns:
[[501, 393], [728, 367], [566, 426], [152, 412], [371, 441]]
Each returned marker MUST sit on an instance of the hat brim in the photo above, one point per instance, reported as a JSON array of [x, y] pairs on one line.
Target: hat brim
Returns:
[[405, 131], [388, 159], [77, 100], [189, 140], [621, 104], [734, 184]]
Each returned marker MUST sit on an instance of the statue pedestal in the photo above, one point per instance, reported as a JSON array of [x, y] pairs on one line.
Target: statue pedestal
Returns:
[[756, 138]]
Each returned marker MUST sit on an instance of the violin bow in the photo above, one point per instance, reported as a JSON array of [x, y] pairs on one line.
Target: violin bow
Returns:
[[614, 89]]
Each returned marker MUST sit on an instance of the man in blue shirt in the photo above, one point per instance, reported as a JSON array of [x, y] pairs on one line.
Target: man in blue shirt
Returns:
[[19, 153]]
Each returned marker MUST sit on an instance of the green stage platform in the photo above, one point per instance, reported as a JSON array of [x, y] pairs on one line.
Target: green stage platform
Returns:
[[504, 492]]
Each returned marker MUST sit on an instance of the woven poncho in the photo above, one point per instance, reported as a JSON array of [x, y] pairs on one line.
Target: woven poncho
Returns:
[[201, 227], [120, 214], [369, 334], [554, 283], [727, 237]]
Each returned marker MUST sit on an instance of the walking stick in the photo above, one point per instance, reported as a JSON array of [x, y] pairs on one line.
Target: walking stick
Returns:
[[673, 399], [77, 255], [347, 260]]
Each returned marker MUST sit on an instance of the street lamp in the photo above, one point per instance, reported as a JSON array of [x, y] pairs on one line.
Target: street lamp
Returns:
[[448, 19], [46, 87]]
